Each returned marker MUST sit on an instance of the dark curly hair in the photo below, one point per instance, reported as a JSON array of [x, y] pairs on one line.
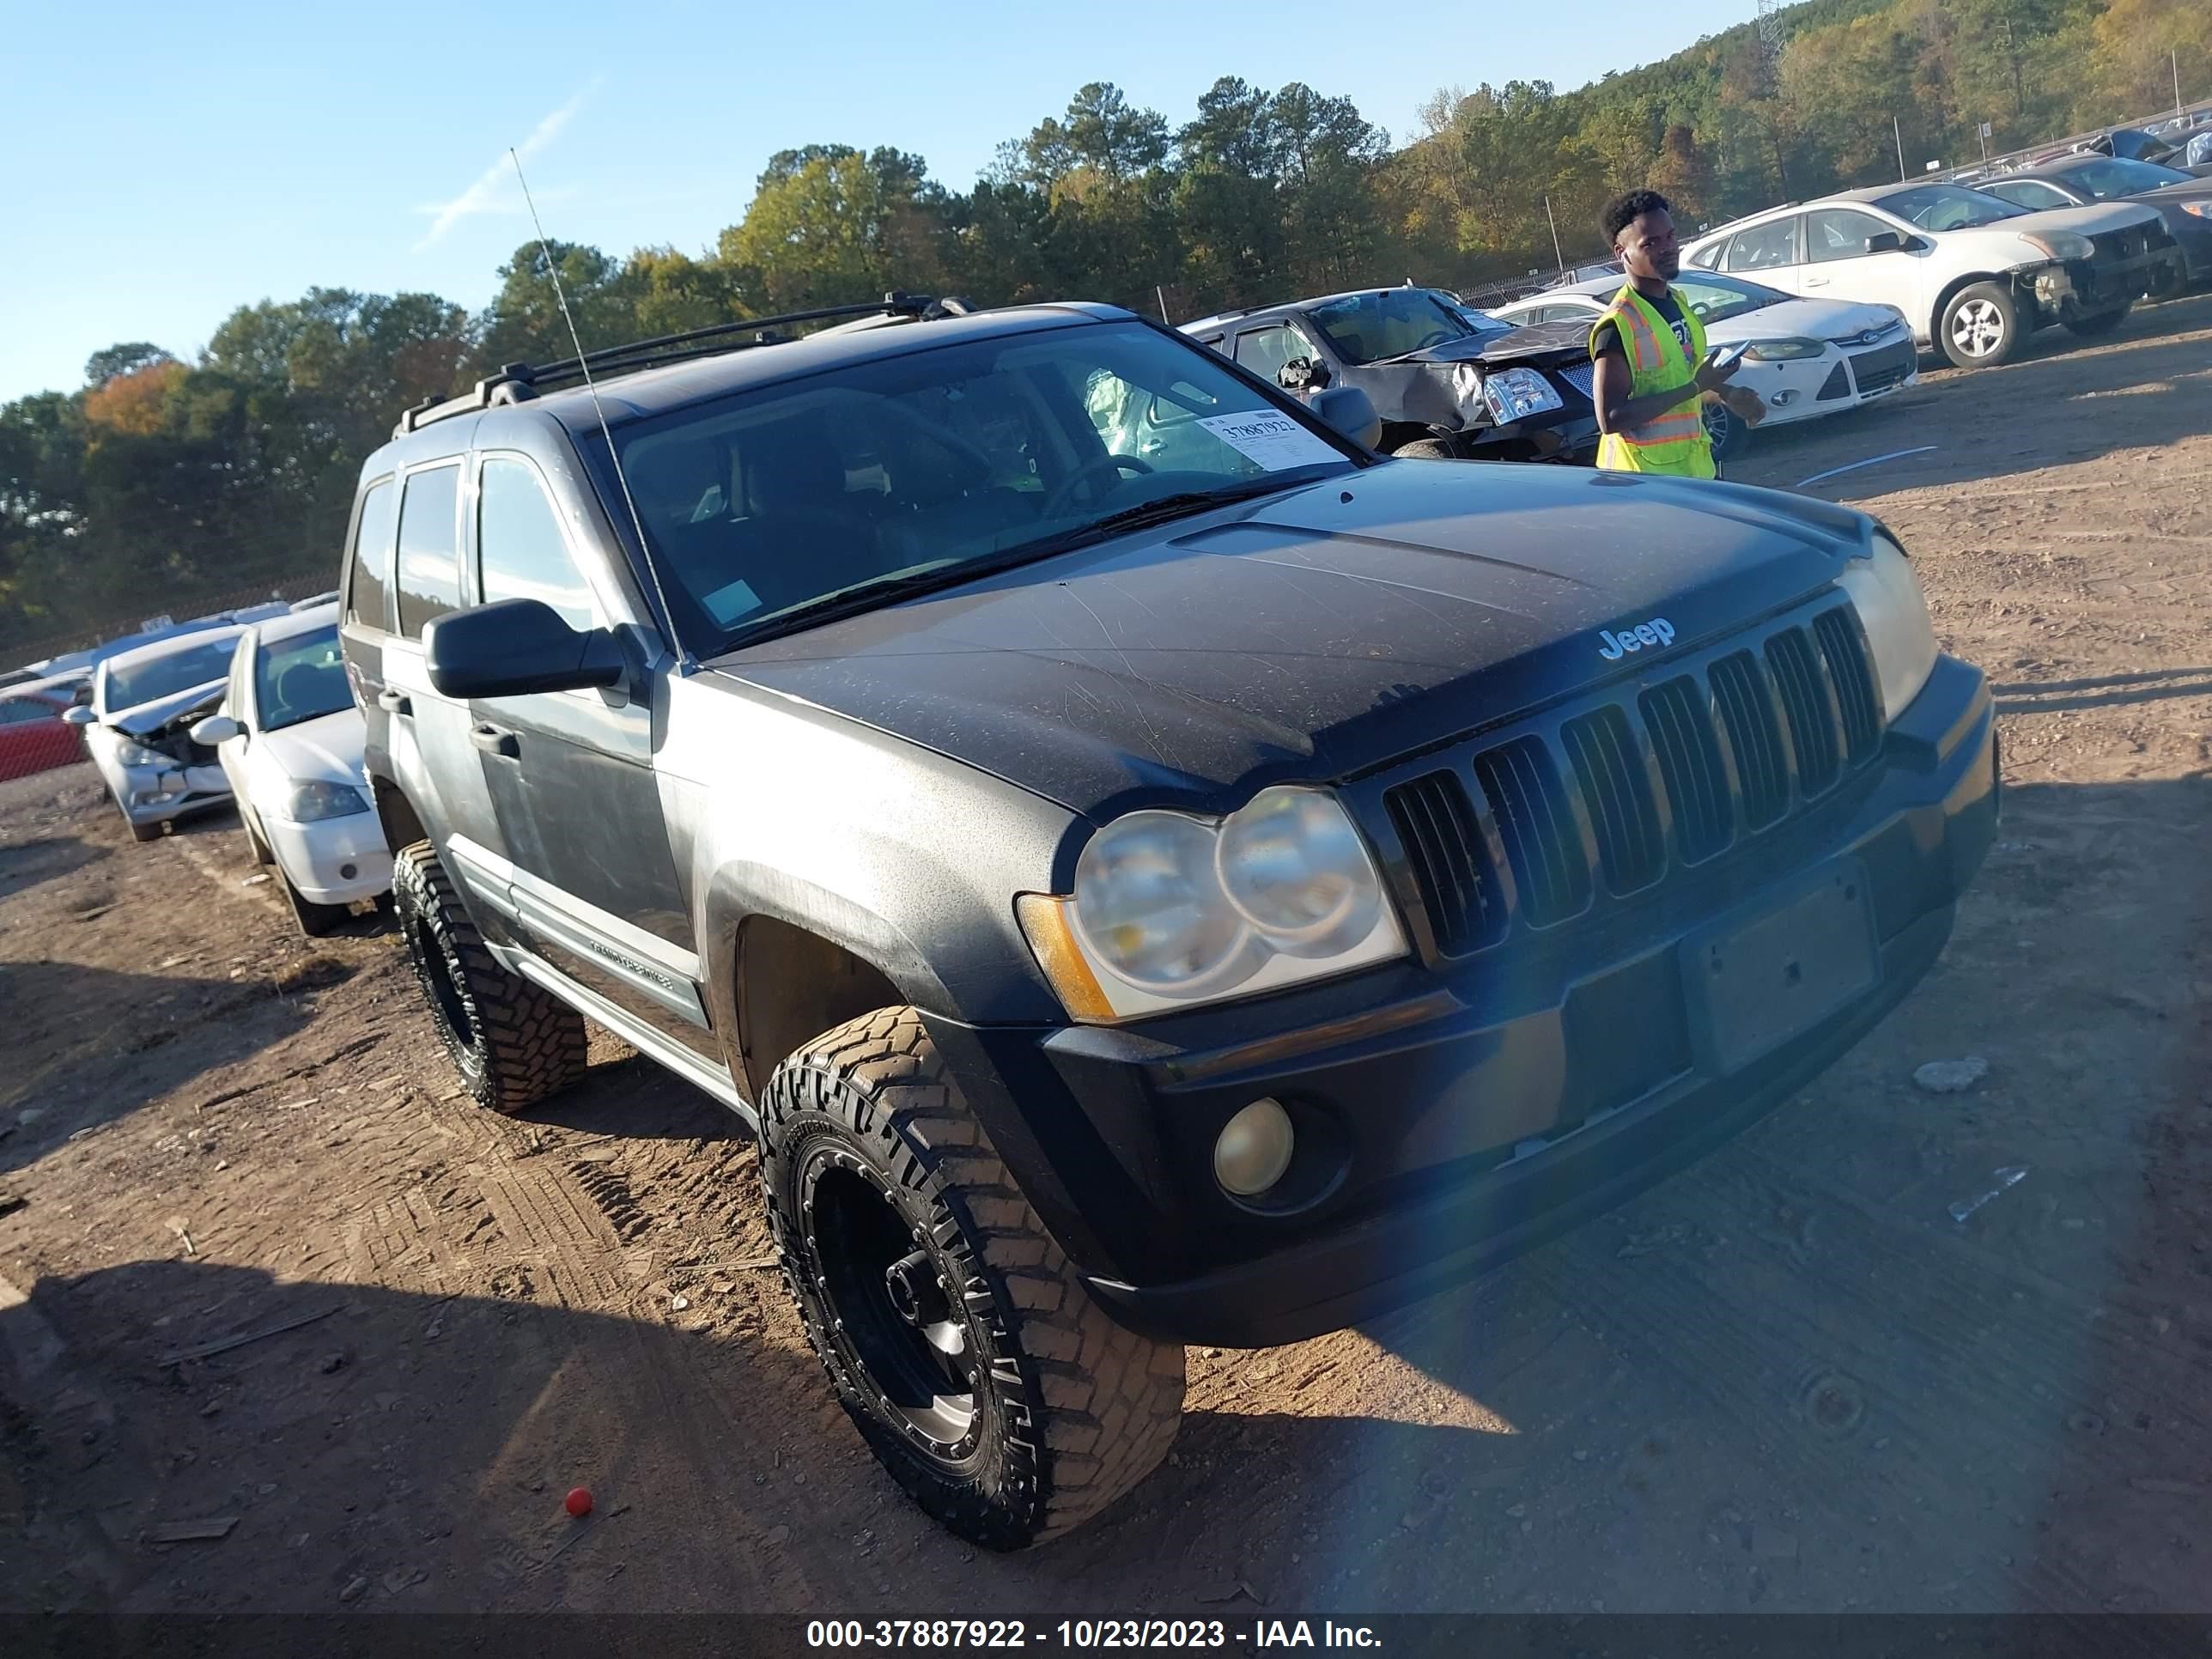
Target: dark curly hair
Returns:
[[1625, 210]]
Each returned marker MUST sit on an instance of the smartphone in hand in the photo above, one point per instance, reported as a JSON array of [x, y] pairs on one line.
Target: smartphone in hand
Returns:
[[1725, 356]]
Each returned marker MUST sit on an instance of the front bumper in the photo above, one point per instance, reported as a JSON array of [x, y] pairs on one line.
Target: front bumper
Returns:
[[2089, 288], [1540, 438], [156, 794], [332, 860], [1474, 1113]]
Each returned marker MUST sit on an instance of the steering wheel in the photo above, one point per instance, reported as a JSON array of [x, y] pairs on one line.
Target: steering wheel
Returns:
[[1114, 465], [1434, 337]]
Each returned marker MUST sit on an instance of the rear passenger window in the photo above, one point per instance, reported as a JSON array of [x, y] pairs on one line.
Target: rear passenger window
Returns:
[[429, 576], [366, 600], [1770, 247], [521, 554]]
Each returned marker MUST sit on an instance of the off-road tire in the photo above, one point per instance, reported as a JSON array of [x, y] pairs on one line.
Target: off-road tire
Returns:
[[1072, 1410], [513, 1042], [315, 920], [1424, 449], [2105, 322], [1980, 301]]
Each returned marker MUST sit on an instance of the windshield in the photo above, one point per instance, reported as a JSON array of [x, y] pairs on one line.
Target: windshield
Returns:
[[1716, 299], [2112, 175], [300, 677], [164, 677], [940, 464], [1366, 328], [1946, 207]]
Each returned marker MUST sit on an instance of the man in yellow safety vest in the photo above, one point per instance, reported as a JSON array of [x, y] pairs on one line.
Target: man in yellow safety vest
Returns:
[[1648, 350]]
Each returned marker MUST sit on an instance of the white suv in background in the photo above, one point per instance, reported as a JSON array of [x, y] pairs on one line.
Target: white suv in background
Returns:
[[1975, 276]]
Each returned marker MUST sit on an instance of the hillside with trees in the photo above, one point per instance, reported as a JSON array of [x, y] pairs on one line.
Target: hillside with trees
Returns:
[[161, 483]]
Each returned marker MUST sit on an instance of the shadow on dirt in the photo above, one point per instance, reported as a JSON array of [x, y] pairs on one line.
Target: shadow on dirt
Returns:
[[637, 1100], [26, 864], [86, 1046], [2055, 696]]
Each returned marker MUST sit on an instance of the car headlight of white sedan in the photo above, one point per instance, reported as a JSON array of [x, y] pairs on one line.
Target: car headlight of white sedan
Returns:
[[129, 752], [1885, 590], [1783, 351], [311, 800], [1513, 394], [1171, 910]]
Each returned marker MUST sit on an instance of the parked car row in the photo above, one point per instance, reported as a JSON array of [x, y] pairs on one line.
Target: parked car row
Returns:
[[258, 715]]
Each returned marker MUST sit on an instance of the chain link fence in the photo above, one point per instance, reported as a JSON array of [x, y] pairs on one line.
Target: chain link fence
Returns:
[[162, 609]]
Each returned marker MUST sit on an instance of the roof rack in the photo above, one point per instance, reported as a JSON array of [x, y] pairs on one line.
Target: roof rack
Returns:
[[516, 383]]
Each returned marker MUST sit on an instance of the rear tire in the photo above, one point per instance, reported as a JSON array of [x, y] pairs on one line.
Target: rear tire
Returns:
[[1980, 326], [956, 1335], [513, 1043], [2089, 328]]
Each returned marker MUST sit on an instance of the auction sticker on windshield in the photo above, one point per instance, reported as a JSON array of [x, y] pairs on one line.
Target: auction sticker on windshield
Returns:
[[1275, 441]]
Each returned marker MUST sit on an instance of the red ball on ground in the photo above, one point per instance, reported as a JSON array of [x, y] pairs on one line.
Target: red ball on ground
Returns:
[[580, 1501]]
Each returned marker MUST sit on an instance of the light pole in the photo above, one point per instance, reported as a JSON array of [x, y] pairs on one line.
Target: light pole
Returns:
[[1560, 257], [1898, 133]]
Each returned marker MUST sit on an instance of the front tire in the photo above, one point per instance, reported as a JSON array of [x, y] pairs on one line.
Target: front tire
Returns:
[[1728, 430], [956, 1335], [513, 1043], [1424, 449], [316, 920], [2090, 328], [1980, 326]]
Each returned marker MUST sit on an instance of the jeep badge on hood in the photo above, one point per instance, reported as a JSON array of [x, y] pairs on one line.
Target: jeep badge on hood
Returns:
[[1657, 631]]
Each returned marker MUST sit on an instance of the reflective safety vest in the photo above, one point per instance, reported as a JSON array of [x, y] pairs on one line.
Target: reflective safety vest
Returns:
[[1676, 441]]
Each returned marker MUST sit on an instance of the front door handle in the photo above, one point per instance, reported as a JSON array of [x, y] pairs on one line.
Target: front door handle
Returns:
[[1816, 282], [496, 740]]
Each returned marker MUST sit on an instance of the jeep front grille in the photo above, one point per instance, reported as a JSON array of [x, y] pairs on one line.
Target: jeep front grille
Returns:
[[1739, 740]]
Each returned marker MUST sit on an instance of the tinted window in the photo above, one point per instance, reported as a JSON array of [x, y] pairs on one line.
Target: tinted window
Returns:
[[300, 677], [1770, 247], [1839, 234], [2107, 180], [1264, 350], [931, 463], [429, 576], [366, 594], [2030, 194], [15, 711], [520, 552]]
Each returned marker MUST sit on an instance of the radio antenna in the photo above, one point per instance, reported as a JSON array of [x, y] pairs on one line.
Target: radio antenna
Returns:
[[683, 659]]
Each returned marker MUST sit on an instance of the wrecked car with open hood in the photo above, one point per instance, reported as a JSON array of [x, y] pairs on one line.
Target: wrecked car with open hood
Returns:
[[137, 727]]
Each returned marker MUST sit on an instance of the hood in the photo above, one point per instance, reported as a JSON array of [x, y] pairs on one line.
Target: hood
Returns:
[[2195, 191], [328, 747], [1811, 320], [2083, 221], [1312, 635], [1543, 342], [148, 719]]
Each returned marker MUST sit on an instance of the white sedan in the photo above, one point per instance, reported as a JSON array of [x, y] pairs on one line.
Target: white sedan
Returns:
[[1805, 358], [288, 737], [137, 727]]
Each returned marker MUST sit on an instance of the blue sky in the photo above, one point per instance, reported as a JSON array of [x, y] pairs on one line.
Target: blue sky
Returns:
[[161, 164]]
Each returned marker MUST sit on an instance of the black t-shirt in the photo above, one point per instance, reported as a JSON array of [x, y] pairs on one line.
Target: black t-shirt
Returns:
[[1669, 313]]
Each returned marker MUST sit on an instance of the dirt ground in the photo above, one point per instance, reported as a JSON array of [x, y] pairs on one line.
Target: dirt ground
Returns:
[[1787, 1379]]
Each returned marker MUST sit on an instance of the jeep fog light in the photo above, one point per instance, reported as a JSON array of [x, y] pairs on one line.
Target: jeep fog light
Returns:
[[1254, 1149]]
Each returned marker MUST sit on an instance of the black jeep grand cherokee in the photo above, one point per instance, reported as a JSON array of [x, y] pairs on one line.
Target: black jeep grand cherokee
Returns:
[[1133, 907]]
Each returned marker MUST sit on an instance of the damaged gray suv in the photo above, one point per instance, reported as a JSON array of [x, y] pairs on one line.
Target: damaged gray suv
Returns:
[[1134, 903]]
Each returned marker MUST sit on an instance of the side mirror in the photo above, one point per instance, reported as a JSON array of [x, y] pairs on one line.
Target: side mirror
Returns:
[[77, 714], [1351, 411], [1886, 241], [1302, 374], [217, 729], [514, 650]]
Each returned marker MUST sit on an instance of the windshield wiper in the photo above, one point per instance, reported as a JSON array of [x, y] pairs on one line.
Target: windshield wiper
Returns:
[[1184, 503]]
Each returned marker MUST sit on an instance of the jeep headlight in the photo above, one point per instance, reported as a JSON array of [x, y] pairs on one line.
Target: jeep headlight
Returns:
[[2059, 244], [310, 800], [1170, 909], [1885, 590], [1513, 394]]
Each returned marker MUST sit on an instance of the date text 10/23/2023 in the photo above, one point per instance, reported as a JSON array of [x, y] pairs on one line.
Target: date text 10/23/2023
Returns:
[[1084, 1633]]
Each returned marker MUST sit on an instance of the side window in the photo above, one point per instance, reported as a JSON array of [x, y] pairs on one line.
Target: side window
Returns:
[[1264, 350], [2032, 194], [429, 574], [15, 711], [1708, 257], [1839, 234], [521, 552], [1770, 247], [367, 594]]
